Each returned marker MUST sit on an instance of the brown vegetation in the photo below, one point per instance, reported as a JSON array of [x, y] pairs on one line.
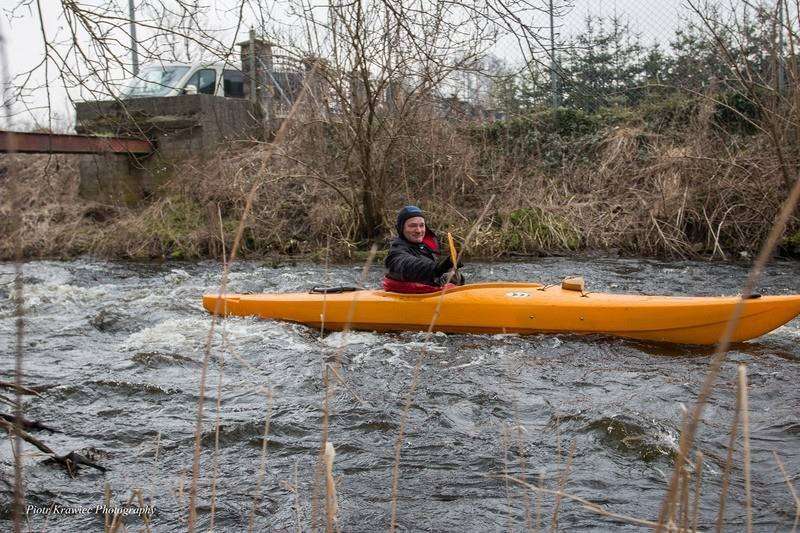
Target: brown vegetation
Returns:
[[623, 184]]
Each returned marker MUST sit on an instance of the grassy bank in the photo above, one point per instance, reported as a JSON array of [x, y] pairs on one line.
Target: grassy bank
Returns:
[[671, 178]]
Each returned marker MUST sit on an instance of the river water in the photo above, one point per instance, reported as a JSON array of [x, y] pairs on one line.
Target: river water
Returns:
[[116, 351]]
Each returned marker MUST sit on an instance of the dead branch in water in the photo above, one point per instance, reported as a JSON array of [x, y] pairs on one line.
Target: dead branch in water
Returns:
[[71, 462]]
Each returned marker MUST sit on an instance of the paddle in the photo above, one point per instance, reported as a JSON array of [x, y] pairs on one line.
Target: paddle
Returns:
[[453, 256]]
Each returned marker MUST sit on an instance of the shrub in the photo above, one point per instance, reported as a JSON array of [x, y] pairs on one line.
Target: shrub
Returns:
[[533, 230]]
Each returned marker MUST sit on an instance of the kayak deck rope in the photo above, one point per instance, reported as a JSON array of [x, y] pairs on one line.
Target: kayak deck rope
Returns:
[[333, 290]]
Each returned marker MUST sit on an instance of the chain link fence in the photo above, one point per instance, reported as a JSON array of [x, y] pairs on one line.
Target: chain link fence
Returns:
[[593, 54], [581, 54]]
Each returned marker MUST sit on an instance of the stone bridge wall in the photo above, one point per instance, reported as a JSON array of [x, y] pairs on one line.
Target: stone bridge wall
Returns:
[[178, 126]]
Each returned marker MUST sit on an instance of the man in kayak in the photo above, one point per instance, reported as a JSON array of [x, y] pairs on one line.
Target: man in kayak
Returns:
[[413, 258]]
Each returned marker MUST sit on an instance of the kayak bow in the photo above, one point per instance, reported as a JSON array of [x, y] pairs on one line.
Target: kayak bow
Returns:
[[520, 308]]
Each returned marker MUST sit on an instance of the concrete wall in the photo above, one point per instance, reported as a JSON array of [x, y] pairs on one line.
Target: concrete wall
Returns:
[[179, 127], [107, 178]]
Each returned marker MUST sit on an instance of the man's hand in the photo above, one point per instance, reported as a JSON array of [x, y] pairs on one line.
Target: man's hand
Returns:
[[443, 265]]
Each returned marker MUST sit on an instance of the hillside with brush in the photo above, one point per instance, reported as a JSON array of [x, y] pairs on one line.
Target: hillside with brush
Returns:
[[681, 153]]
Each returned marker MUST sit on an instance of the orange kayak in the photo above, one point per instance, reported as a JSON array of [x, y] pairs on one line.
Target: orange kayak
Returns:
[[522, 308]]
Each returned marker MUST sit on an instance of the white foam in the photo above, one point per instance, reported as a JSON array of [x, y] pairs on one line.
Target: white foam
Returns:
[[396, 359], [340, 339], [668, 439], [428, 346], [398, 354], [790, 329], [188, 334], [46, 271], [478, 360], [177, 275], [170, 334], [44, 294], [501, 336]]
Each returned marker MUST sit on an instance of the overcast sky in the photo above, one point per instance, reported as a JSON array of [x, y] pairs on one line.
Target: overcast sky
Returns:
[[654, 20]]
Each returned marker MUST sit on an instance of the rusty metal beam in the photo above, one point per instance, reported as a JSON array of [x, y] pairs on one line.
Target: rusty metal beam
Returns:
[[56, 143]]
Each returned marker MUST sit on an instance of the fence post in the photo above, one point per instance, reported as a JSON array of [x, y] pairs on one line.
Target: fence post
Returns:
[[553, 64]]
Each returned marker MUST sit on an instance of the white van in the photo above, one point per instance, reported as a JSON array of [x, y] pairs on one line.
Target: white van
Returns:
[[173, 79]]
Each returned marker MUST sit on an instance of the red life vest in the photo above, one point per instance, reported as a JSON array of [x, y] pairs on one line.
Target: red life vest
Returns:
[[430, 241], [412, 287]]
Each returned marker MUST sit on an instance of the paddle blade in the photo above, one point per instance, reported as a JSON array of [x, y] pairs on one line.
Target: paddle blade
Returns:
[[452, 245]]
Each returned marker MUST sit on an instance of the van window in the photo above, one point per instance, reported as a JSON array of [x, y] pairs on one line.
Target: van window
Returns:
[[233, 83], [153, 80], [205, 80]]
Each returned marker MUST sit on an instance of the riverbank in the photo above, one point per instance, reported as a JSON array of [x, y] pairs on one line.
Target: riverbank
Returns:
[[669, 179]]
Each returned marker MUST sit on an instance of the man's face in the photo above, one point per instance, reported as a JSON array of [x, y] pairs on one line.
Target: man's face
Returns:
[[414, 229]]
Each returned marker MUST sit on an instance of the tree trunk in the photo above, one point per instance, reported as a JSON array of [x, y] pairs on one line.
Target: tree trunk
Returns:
[[371, 220]]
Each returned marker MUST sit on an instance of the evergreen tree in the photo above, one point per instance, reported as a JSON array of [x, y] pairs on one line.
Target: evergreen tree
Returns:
[[715, 51], [603, 66]]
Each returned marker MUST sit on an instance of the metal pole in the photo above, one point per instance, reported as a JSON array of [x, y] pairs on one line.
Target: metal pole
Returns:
[[186, 38], [781, 67], [553, 77], [254, 81], [134, 51]]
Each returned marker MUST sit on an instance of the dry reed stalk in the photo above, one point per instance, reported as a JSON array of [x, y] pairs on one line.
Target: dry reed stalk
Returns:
[[504, 452], [319, 470], [325, 294], [47, 518], [561, 483], [351, 311], [279, 136], [591, 506], [676, 515], [262, 466], [746, 445], [715, 235], [19, 323], [331, 505], [538, 523], [401, 433], [222, 242], [217, 423], [728, 462], [791, 490], [118, 518], [297, 507], [19, 310], [145, 516], [690, 427], [155, 470], [698, 477], [521, 452], [526, 503], [182, 497], [347, 387], [558, 439], [415, 378], [107, 502], [683, 512], [16, 441], [240, 359]]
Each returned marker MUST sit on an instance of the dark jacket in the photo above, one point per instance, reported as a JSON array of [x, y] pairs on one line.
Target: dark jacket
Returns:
[[412, 262]]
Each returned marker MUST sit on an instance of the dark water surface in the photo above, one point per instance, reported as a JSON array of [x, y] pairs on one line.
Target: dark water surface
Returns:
[[117, 350]]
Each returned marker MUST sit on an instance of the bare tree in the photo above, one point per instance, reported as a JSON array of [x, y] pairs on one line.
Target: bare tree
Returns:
[[89, 57], [387, 67], [388, 70]]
